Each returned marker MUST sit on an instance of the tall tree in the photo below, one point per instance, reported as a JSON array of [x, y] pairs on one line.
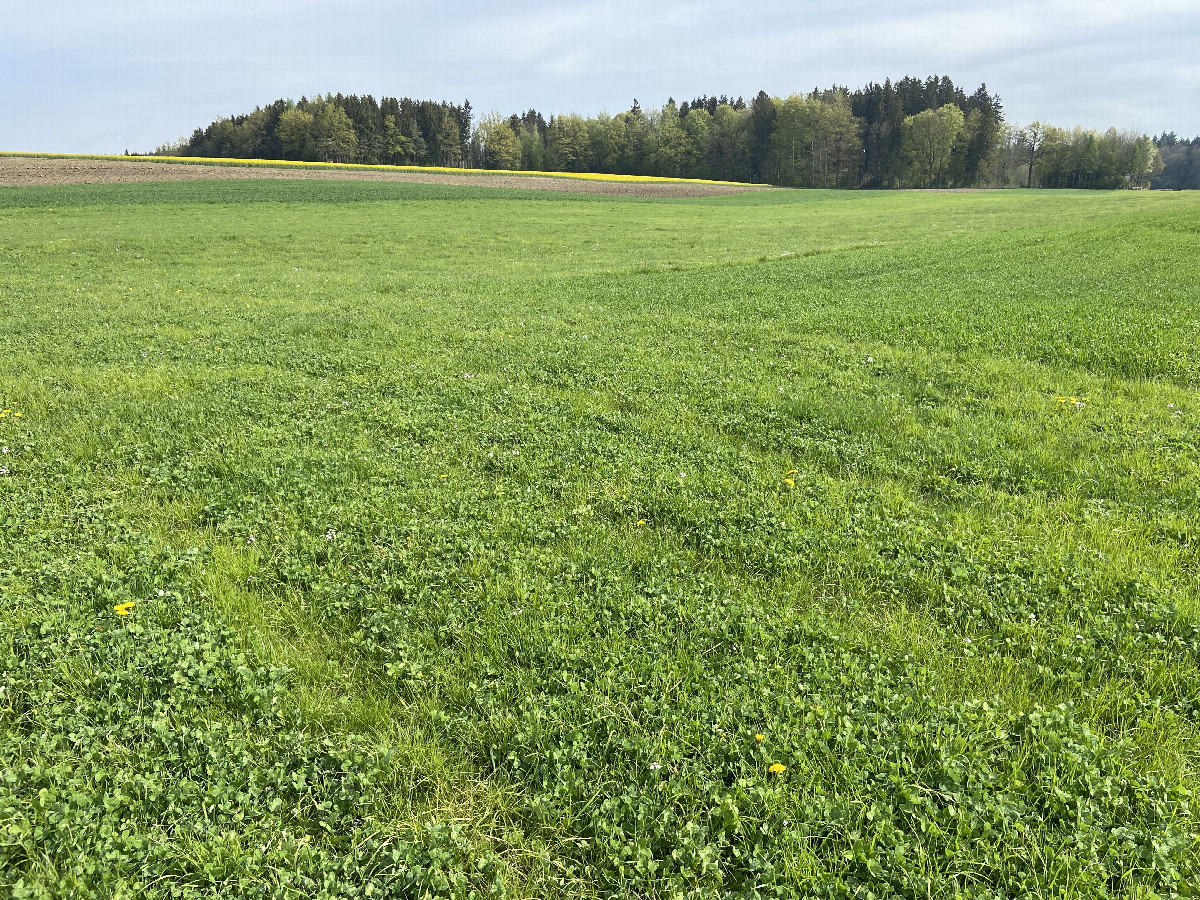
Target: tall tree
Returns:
[[448, 140], [696, 123], [1033, 140], [836, 138], [1145, 162], [984, 133], [333, 135], [761, 128], [567, 139], [501, 149], [397, 147], [929, 140], [727, 158], [672, 153], [296, 134], [793, 139]]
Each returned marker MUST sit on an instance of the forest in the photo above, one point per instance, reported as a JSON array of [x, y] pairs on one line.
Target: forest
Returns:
[[913, 133]]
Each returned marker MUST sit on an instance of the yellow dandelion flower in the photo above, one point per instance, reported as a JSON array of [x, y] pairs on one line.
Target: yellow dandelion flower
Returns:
[[758, 738], [791, 471], [641, 521], [124, 609], [16, 415], [777, 768], [790, 482]]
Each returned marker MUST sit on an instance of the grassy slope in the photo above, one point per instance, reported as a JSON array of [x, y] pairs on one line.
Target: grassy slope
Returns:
[[505, 482]]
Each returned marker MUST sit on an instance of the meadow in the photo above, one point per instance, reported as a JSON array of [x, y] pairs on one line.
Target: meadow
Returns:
[[397, 540]]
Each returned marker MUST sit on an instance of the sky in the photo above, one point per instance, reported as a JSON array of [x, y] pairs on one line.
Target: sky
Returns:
[[104, 77]]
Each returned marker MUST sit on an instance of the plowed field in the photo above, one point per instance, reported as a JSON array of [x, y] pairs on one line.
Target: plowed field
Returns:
[[27, 171]]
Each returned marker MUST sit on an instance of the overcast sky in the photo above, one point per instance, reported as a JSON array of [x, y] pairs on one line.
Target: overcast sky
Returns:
[[102, 76]]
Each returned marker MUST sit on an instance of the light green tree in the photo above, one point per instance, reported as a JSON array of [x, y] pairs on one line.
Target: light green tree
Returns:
[[1034, 141], [501, 149], [601, 150], [567, 140], [929, 139], [1145, 162], [333, 133], [614, 144], [837, 138], [727, 144], [696, 123], [793, 143], [673, 145], [533, 151], [295, 131]]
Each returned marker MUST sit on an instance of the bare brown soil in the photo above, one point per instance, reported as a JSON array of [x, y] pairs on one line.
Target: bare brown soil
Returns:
[[23, 171]]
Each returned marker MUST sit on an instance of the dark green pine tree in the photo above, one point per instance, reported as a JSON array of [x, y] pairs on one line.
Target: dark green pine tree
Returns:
[[984, 140], [762, 128]]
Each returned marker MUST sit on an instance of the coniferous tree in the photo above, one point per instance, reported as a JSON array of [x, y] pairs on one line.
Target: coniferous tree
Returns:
[[761, 129], [985, 132]]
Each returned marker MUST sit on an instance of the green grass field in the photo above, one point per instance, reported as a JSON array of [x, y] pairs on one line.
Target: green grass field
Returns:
[[485, 543]]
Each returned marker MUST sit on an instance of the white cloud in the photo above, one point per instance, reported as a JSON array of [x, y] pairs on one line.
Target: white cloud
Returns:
[[103, 75]]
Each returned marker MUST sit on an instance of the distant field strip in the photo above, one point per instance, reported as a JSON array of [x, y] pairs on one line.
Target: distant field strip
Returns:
[[19, 169]]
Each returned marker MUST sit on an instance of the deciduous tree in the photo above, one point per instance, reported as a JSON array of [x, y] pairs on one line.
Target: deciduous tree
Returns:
[[295, 132], [929, 140], [501, 149]]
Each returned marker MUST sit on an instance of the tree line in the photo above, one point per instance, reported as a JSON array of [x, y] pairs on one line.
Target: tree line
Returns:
[[1181, 163], [913, 133], [339, 128]]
